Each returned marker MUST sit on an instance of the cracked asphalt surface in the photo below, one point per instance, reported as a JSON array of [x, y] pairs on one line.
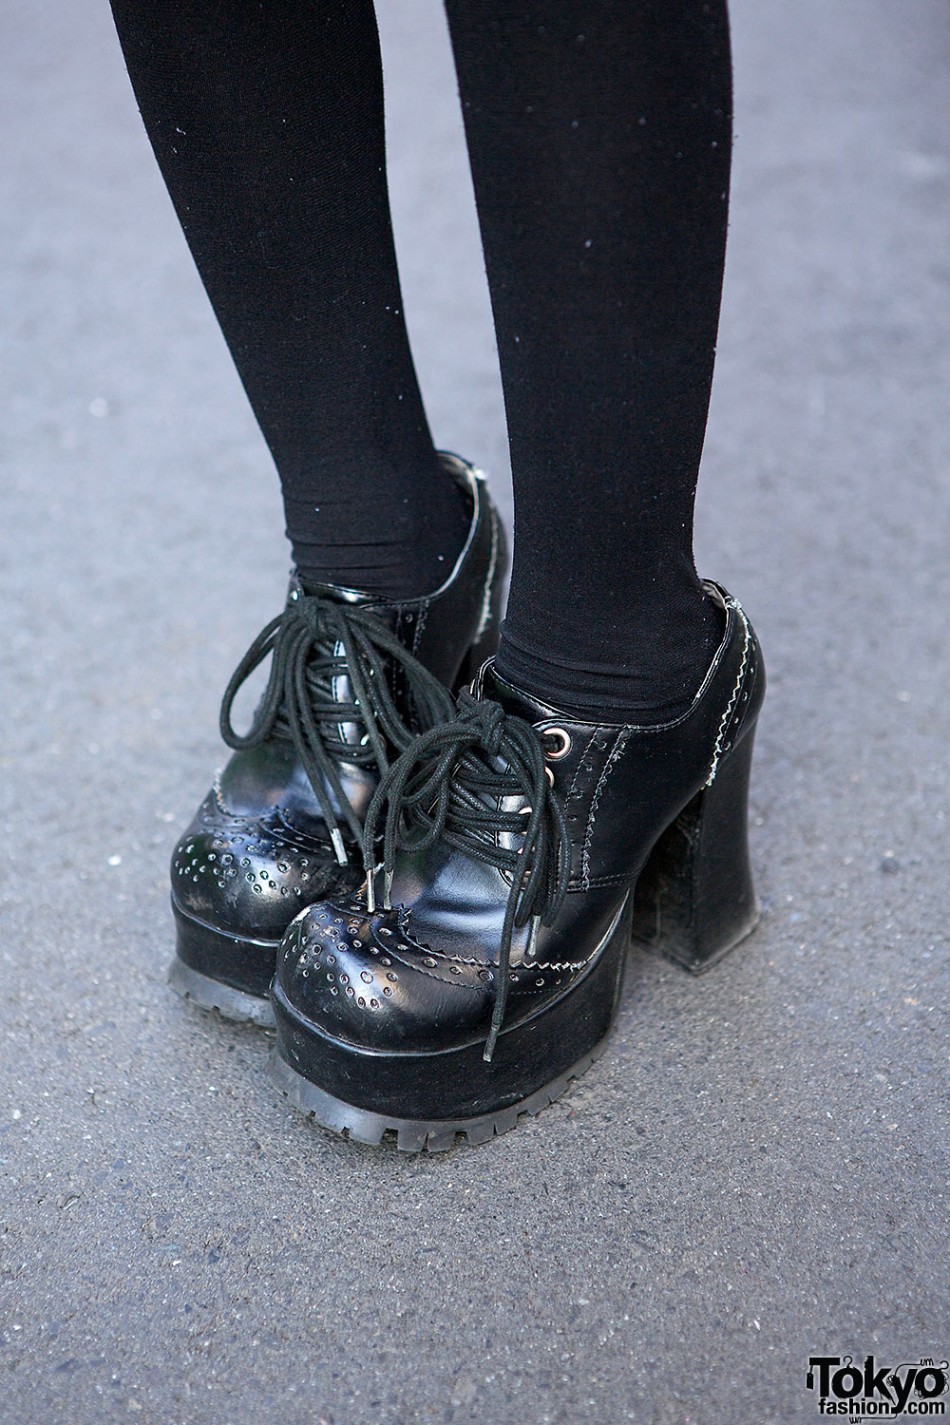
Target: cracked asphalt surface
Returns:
[[756, 1171]]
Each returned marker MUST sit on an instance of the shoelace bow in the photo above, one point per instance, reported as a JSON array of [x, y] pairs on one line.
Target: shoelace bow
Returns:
[[312, 642], [448, 786]]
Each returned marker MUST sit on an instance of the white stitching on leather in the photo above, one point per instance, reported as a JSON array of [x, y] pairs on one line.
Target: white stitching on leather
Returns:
[[440, 955], [580, 768], [740, 678], [219, 794], [619, 742], [560, 964], [435, 954]]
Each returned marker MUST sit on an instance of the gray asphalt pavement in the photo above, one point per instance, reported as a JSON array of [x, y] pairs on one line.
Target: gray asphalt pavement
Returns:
[[756, 1172]]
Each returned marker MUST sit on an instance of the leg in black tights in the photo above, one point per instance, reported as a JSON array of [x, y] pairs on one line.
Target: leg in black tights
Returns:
[[267, 122], [599, 137]]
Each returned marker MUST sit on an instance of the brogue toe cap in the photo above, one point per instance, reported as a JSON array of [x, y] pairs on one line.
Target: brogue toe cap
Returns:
[[250, 876], [364, 980]]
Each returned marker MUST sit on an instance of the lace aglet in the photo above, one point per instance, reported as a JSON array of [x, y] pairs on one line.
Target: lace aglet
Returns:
[[387, 890], [371, 890], [338, 847], [493, 1033]]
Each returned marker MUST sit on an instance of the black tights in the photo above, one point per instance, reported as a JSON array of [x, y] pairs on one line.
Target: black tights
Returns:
[[599, 138]]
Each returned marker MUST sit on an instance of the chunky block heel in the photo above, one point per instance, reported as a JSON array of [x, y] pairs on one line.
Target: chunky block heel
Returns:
[[694, 899]]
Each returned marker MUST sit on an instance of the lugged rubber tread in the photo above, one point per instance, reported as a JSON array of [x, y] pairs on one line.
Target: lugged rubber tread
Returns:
[[415, 1135], [209, 994]]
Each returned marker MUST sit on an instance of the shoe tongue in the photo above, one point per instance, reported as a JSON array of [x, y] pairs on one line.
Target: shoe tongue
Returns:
[[335, 686]]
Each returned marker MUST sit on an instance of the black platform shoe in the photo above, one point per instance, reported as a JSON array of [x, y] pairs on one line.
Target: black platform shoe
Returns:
[[515, 838], [352, 681]]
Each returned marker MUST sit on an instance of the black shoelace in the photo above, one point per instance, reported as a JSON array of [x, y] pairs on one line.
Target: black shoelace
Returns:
[[449, 785], [315, 641]]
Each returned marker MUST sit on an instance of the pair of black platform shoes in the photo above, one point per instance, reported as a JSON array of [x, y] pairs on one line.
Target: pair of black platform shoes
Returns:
[[432, 900]]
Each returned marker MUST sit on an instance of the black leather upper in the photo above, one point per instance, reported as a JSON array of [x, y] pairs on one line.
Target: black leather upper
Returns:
[[258, 849], [422, 976]]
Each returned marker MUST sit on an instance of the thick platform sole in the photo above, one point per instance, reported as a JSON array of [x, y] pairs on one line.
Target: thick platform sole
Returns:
[[409, 1134], [210, 994], [436, 1096], [229, 973]]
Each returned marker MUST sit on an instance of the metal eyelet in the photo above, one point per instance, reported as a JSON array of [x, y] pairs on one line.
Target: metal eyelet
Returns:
[[550, 775], [563, 743]]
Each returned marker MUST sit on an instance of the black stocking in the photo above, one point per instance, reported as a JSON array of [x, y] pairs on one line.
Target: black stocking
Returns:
[[599, 136], [267, 122]]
